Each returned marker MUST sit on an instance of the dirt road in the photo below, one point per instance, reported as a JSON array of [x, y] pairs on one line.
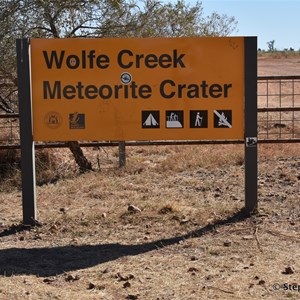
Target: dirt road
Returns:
[[278, 66]]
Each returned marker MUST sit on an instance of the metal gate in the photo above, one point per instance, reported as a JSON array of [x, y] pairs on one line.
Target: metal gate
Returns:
[[278, 109]]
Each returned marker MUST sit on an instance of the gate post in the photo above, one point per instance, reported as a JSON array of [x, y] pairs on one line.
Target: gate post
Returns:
[[250, 56], [26, 138]]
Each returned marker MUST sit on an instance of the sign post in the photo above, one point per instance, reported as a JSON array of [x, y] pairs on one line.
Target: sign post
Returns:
[[250, 124], [137, 89], [27, 144]]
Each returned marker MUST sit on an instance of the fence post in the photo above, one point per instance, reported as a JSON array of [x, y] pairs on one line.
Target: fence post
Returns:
[[250, 124], [26, 138], [122, 154]]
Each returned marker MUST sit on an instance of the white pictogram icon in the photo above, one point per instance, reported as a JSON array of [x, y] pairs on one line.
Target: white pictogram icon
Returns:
[[198, 121], [172, 121], [222, 119], [150, 121]]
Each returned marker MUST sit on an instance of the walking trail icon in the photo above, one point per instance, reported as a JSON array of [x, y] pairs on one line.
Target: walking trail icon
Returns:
[[198, 121]]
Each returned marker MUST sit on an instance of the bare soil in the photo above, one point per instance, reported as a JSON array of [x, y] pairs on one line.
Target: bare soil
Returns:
[[167, 226], [278, 65]]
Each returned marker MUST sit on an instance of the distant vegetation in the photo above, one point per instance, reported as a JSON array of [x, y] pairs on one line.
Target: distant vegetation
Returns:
[[279, 53], [273, 52]]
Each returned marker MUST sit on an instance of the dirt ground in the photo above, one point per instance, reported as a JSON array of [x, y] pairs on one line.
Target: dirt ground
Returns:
[[168, 226], [278, 66]]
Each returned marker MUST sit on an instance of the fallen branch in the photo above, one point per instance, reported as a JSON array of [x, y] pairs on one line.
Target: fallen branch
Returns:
[[284, 235], [219, 289], [257, 240]]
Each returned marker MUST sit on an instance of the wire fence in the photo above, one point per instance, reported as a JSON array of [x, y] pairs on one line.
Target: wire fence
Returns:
[[278, 118], [279, 108], [9, 131]]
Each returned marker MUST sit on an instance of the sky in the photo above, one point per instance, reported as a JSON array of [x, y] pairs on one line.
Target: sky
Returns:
[[277, 20]]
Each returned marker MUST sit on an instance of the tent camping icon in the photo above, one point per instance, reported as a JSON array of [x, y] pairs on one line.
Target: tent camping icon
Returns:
[[150, 119]]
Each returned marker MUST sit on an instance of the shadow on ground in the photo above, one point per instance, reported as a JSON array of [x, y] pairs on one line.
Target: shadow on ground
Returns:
[[57, 260]]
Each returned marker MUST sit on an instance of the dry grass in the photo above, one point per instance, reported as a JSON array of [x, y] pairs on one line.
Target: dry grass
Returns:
[[186, 242], [279, 54]]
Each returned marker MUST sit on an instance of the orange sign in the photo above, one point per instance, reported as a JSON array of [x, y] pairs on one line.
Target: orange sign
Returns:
[[137, 89]]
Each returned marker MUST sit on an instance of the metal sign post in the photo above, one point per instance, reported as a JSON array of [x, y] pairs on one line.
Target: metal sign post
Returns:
[[250, 124], [137, 89], [27, 144]]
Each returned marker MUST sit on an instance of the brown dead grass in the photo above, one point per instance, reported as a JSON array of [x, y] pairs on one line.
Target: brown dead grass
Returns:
[[187, 242], [279, 54]]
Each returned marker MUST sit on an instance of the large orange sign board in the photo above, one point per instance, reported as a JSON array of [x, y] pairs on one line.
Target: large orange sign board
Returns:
[[137, 89]]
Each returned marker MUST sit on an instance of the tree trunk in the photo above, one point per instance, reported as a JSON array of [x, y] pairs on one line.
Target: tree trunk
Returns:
[[83, 163]]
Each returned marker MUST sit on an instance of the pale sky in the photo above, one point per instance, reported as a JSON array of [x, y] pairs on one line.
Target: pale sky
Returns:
[[269, 20]]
